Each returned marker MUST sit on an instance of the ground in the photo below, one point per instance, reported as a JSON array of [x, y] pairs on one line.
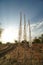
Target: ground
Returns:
[[21, 54]]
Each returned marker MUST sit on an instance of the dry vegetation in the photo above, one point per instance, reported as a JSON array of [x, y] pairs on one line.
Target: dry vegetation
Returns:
[[21, 54]]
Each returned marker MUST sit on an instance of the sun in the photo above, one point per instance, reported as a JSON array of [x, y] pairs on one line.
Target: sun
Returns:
[[9, 35]]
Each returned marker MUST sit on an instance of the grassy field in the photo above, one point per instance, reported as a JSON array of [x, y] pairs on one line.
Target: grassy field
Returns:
[[21, 54]]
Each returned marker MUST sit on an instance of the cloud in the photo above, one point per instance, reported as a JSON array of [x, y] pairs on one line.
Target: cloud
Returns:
[[40, 25], [37, 25], [37, 28]]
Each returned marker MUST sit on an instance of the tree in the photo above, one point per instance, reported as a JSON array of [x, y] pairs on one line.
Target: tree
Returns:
[[0, 42], [16, 41], [36, 40], [41, 38]]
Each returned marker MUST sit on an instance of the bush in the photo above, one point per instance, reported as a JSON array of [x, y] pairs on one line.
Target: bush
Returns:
[[0, 42], [36, 40]]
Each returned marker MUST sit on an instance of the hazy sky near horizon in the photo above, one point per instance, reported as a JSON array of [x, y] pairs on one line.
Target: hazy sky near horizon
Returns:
[[10, 13]]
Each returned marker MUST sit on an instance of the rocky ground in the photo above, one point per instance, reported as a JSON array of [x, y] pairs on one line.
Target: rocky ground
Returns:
[[21, 54]]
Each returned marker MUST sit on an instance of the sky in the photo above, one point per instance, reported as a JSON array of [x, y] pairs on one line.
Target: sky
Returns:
[[10, 14]]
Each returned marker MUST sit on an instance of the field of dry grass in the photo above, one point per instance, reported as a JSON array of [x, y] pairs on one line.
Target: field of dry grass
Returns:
[[21, 54]]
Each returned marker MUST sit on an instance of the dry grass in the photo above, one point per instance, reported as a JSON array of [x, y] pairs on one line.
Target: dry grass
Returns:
[[22, 54]]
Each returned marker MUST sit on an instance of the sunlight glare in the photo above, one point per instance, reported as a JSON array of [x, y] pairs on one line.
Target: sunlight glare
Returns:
[[9, 35]]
